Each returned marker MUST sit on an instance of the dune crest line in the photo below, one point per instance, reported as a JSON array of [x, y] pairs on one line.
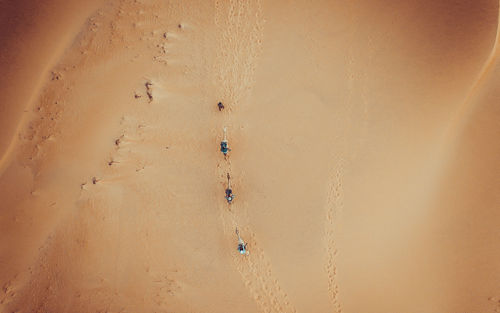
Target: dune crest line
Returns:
[[459, 115]]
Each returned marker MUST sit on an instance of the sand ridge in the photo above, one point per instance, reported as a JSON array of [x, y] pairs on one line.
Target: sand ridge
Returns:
[[113, 193]]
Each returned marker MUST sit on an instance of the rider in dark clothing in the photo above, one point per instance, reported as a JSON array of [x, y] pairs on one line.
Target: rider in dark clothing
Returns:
[[242, 245], [229, 190], [242, 248], [229, 195], [224, 148]]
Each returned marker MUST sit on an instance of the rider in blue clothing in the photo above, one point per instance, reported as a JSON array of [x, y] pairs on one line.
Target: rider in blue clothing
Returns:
[[224, 148], [242, 246]]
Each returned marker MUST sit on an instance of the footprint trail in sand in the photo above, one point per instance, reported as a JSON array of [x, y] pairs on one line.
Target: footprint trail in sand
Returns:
[[240, 25], [255, 269], [257, 275], [334, 208]]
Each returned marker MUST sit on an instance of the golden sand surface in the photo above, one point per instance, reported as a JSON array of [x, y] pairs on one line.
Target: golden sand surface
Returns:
[[365, 156]]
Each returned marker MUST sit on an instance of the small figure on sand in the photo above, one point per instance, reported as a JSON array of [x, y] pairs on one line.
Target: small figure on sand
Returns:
[[229, 191], [224, 148], [242, 246], [149, 90], [221, 106]]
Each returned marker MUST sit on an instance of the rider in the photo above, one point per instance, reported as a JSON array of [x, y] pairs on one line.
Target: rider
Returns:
[[220, 106], [229, 192], [242, 246], [224, 148], [229, 195]]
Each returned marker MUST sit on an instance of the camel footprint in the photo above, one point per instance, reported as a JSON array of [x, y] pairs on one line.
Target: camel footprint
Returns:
[[240, 25], [257, 275]]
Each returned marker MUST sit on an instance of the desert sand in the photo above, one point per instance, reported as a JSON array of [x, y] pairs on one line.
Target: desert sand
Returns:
[[365, 156]]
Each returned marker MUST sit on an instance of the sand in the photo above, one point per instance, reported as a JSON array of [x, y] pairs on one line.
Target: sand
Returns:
[[364, 163]]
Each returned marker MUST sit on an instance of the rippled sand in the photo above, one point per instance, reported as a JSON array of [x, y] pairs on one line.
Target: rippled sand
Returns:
[[365, 156]]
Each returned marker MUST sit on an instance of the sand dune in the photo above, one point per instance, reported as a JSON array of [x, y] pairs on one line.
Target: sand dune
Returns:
[[364, 156]]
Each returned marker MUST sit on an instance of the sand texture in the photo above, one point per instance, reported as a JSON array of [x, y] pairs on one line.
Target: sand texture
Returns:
[[365, 156]]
